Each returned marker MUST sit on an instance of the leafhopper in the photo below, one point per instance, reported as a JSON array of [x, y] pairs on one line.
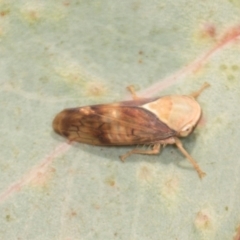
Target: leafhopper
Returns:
[[148, 121]]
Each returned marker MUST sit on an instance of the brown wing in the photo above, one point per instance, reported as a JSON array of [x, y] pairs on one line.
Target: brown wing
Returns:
[[111, 124]]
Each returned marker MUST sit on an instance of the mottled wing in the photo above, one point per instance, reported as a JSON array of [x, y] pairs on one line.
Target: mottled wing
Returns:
[[111, 124]]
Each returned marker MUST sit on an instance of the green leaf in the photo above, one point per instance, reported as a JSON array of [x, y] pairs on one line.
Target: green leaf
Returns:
[[61, 54]]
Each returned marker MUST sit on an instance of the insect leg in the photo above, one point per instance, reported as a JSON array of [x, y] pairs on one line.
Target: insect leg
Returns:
[[155, 150], [197, 93], [190, 159], [132, 92]]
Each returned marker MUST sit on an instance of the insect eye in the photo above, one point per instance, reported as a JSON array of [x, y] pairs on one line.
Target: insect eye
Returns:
[[187, 128], [185, 131]]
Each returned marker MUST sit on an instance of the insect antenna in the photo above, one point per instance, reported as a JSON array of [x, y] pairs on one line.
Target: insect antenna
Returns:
[[197, 93]]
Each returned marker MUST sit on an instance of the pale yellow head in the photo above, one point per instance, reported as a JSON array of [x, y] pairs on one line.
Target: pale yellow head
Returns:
[[180, 113]]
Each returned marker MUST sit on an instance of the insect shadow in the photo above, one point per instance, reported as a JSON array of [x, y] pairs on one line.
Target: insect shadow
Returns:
[[168, 155]]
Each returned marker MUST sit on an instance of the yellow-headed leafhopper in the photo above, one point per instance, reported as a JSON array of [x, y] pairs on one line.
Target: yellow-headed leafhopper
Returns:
[[148, 121]]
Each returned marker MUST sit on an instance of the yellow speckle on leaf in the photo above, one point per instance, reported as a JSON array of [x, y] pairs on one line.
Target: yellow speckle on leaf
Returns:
[[237, 233], [170, 187], [42, 177], [71, 73], [76, 75], [206, 32], [203, 220], [32, 11], [95, 89], [145, 173], [110, 181]]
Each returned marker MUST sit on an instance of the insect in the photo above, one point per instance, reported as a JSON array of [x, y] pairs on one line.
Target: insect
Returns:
[[148, 121]]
